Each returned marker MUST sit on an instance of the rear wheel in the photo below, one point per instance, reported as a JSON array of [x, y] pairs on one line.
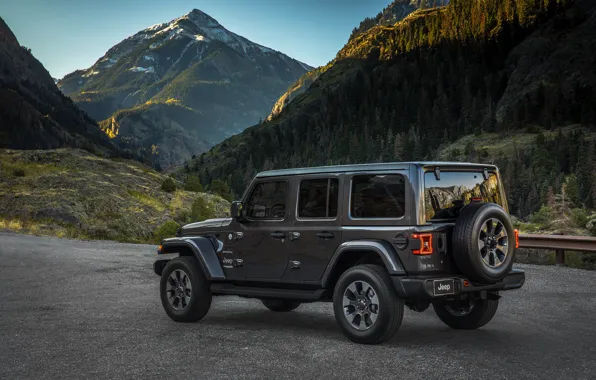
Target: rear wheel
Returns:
[[281, 305], [469, 314], [185, 292], [366, 305], [483, 242]]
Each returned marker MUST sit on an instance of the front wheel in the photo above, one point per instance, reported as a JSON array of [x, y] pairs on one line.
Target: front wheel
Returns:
[[467, 315], [366, 305], [185, 292]]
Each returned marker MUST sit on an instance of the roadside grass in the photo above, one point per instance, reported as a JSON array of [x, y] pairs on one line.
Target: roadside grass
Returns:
[[147, 200], [12, 169]]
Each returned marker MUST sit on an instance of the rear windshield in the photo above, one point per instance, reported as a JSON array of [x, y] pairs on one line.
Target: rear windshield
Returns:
[[444, 198]]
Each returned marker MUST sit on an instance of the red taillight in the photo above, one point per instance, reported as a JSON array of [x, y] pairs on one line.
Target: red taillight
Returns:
[[476, 199], [426, 244], [516, 233]]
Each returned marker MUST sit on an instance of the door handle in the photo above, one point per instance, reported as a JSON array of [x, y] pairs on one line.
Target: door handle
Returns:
[[278, 235], [325, 235], [294, 236]]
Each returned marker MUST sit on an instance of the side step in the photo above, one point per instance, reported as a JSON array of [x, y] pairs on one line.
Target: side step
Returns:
[[275, 293]]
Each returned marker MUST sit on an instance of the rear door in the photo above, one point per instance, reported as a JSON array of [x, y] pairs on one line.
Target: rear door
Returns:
[[316, 231]]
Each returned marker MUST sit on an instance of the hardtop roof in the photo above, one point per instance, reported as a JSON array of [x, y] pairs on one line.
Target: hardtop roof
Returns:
[[370, 167]]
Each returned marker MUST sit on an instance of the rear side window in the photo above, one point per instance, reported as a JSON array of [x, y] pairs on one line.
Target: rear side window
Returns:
[[268, 201], [318, 198], [444, 197], [378, 196]]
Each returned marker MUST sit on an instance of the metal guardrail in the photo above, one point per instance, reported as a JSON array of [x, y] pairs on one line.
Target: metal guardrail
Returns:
[[559, 243]]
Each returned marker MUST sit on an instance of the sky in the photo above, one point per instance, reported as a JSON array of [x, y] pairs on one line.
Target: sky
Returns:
[[66, 35]]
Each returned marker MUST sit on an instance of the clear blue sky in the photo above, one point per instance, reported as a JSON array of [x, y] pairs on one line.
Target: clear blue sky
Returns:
[[66, 35]]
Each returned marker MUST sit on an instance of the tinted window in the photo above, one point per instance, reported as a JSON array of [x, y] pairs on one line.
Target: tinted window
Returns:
[[318, 198], [444, 198], [268, 201], [378, 196]]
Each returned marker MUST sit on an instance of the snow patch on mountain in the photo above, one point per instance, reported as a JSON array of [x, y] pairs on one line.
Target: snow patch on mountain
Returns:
[[90, 73], [139, 69]]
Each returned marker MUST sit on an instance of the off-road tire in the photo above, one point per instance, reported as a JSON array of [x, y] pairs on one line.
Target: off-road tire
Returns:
[[466, 252], [200, 298], [390, 311], [281, 305], [481, 314]]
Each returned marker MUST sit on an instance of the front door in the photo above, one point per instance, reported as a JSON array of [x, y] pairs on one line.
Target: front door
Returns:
[[317, 230], [263, 242]]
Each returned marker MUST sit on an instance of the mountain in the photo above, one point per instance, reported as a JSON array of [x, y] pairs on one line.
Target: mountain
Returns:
[[394, 12], [34, 114], [409, 90], [189, 77]]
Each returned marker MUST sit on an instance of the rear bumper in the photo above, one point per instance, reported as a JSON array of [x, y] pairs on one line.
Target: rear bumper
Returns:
[[422, 287]]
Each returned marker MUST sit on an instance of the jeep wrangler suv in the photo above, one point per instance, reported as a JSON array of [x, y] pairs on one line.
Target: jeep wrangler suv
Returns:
[[370, 238]]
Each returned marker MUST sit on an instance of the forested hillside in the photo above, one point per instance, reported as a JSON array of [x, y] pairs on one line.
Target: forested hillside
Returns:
[[409, 91], [396, 11]]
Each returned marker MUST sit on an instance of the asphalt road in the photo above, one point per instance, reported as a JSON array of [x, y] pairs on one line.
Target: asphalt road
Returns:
[[72, 309]]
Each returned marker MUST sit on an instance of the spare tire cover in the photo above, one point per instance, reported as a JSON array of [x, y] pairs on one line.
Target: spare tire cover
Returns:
[[483, 242]]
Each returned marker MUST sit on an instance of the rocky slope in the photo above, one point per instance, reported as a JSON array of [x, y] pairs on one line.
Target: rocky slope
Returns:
[[72, 193], [395, 12], [193, 62], [34, 114]]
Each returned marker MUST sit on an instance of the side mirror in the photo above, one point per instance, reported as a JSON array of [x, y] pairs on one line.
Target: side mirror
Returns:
[[236, 210]]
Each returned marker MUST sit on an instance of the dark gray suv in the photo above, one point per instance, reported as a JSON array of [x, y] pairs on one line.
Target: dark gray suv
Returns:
[[370, 238]]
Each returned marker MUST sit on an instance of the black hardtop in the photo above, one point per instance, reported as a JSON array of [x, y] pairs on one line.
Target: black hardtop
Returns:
[[371, 167]]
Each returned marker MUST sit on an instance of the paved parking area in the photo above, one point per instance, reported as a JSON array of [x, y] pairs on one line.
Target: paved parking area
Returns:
[[72, 309]]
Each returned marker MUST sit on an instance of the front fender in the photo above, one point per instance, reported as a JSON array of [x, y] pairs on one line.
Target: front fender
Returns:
[[385, 251], [202, 248]]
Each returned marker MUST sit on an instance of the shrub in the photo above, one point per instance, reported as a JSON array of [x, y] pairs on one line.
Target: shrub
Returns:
[[193, 183], [18, 172], [579, 217], [591, 225], [166, 230], [168, 185], [201, 211], [222, 189], [542, 216]]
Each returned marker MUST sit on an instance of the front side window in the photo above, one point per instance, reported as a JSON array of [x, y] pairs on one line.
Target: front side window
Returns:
[[268, 201], [318, 198], [378, 196]]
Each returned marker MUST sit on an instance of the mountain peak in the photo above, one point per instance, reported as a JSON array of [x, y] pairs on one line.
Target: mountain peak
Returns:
[[201, 18]]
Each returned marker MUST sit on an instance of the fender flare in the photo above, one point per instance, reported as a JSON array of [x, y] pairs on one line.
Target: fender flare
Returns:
[[203, 249], [385, 251]]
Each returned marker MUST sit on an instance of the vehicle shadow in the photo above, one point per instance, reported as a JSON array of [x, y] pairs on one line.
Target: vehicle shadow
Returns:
[[413, 332], [314, 324]]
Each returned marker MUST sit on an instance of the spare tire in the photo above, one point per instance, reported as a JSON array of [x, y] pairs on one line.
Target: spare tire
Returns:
[[483, 242]]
